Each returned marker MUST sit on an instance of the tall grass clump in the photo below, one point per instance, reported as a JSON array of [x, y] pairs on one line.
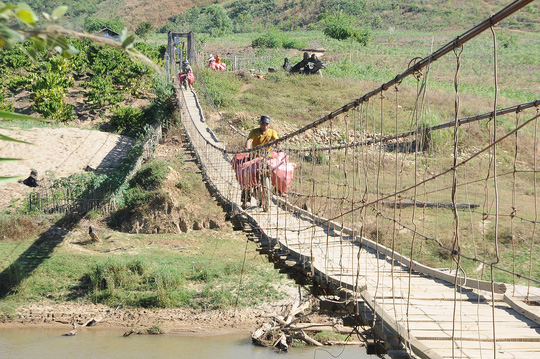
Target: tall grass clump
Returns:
[[15, 274], [17, 226], [438, 141], [135, 283], [151, 175], [143, 188]]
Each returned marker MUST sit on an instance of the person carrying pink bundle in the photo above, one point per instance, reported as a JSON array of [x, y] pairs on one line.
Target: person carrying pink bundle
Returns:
[[186, 75]]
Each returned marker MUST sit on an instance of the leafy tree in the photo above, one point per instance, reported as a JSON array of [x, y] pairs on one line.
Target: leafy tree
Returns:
[[144, 29], [342, 26], [186, 21], [210, 19], [217, 20], [242, 12]]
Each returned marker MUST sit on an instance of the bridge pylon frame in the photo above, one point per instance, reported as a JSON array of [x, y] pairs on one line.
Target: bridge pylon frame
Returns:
[[173, 57]]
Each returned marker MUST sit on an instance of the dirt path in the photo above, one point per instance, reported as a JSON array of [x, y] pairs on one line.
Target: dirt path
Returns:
[[57, 152]]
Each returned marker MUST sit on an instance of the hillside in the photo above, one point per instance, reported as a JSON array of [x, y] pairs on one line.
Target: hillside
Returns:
[[247, 15]]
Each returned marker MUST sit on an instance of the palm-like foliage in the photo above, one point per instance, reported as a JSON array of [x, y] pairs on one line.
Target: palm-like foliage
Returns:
[[46, 35], [11, 116]]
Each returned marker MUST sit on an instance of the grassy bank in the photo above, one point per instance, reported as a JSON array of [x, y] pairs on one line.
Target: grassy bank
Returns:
[[202, 269]]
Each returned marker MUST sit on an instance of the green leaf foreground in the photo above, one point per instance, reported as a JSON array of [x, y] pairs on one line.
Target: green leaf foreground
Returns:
[[8, 179], [59, 12], [52, 36], [18, 116], [6, 138]]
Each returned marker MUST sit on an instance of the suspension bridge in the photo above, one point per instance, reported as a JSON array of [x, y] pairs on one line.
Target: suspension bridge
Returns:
[[375, 193]]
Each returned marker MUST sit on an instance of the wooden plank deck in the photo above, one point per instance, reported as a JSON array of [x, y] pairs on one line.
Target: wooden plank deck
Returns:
[[422, 307]]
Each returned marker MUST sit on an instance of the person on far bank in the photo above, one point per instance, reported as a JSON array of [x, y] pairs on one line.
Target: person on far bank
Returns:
[[257, 137]]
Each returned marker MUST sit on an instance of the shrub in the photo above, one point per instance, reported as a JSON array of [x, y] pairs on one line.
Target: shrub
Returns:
[[102, 91], [275, 39], [269, 40], [4, 105], [106, 60], [50, 103], [59, 64], [163, 105], [14, 58], [144, 28], [19, 82], [51, 80], [340, 26], [125, 118], [150, 52]]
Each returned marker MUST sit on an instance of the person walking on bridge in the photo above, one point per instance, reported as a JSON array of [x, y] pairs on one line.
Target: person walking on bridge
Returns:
[[262, 134], [185, 72], [258, 137]]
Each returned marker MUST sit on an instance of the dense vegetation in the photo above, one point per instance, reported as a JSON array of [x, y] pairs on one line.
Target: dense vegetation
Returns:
[[262, 15], [109, 76]]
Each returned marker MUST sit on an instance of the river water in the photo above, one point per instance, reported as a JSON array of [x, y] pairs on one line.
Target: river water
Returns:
[[103, 343]]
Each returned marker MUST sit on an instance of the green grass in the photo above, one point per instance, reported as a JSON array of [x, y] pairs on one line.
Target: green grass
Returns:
[[390, 52], [204, 273]]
